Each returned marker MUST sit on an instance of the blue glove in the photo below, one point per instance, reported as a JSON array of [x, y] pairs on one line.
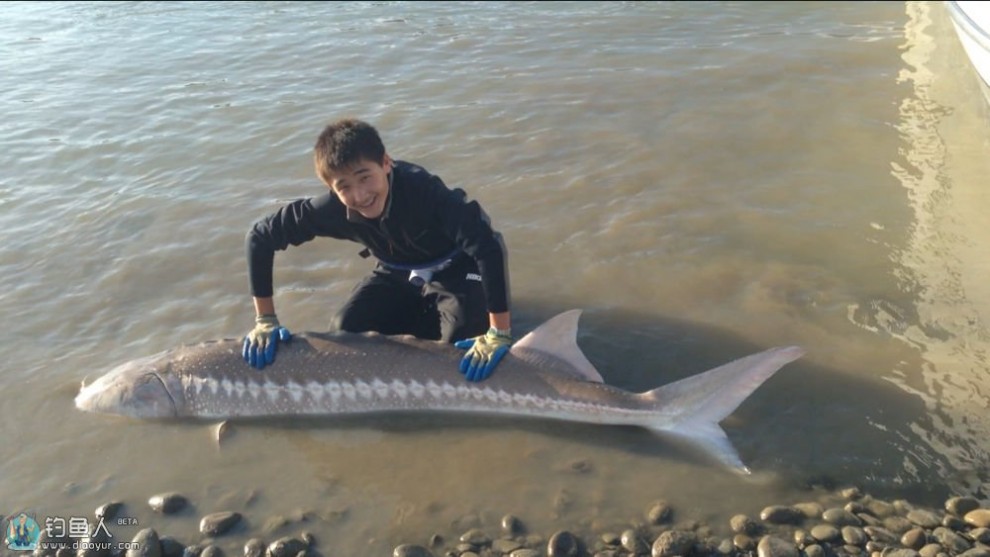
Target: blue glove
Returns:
[[484, 353], [260, 344]]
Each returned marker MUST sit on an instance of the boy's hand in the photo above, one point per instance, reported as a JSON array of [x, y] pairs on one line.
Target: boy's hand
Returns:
[[484, 353], [260, 344]]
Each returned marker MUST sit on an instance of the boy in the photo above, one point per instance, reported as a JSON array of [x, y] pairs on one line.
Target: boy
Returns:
[[442, 270]]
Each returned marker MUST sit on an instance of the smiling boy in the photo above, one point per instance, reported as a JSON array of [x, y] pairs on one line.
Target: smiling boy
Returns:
[[442, 271]]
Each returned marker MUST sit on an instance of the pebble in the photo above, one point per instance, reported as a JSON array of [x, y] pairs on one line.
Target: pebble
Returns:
[[525, 553], [562, 544], [171, 547], [814, 551], [192, 551], [976, 552], [810, 510], [511, 525], [840, 517], [659, 513], [930, 550], [897, 524], [254, 548], [211, 551], [109, 511], [902, 553], [853, 535], [286, 547], [960, 506], [744, 542], [632, 543], [780, 514], [851, 494], [218, 524], [979, 518], [981, 535], [880, 509], [771, 546], [505, 546], [168, 503], [825, 533], [147, 544], [742, 524], [953, 522], [673, 542], [475, 537], [950, 540], [409, 550], [923, 518], [914, 538]]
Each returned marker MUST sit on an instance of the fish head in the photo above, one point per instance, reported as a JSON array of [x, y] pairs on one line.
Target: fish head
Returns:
[[142, 388]]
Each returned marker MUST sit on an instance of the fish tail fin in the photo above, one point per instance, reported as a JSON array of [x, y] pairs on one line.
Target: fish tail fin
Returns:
[[693, 407]]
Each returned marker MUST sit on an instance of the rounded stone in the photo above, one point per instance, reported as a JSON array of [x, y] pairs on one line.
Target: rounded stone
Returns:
[[781, 514], [902, 553], [979, 551], [801, 538], [725, 547], [167, 503], [673, 542], [855, 507], [171, 547], [218, 524], [526, 552], [611, 538], [825, 533], [192, 551], [953, 522], [930, 550], [869, 520], [659, 513], [211, 551], [108, 511], [840, 517], [810, 510], [286, 547], [814, 550], [410, 550], [881, 535], [511, 525], [925, 519], [771, 546], [475, 537], [880, 509], [505, 546], [254, 548], [631, 541], [853, 535], [897, 524], [851, 494], [743, 542], [563, 544], [951, 541], [981, 535], [742, 524], [146, 543], [960, 506], [914, 538], [979, 518]]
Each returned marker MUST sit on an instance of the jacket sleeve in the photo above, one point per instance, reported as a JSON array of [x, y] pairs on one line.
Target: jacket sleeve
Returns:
[[294, 224], [470, 227]]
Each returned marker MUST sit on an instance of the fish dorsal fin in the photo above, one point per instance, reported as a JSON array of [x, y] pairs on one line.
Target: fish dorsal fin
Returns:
[[553, 345]]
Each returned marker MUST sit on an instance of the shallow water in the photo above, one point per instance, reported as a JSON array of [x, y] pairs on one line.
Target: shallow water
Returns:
[[704, 180]]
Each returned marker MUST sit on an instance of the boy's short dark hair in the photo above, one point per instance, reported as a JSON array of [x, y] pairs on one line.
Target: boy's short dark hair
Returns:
[[344, 144]]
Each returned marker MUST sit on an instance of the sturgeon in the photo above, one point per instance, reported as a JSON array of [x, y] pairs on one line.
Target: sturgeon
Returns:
[[545, 375]]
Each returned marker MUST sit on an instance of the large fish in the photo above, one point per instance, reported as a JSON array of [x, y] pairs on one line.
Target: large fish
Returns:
[[545, 375]]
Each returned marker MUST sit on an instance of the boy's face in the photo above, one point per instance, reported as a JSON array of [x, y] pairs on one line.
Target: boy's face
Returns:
[[363, 187]]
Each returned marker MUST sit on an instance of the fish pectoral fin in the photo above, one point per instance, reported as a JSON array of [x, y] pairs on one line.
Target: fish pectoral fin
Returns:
[[553, 346]]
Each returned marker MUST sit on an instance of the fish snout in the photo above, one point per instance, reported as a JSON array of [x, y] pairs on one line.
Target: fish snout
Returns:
[[138, 396]]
